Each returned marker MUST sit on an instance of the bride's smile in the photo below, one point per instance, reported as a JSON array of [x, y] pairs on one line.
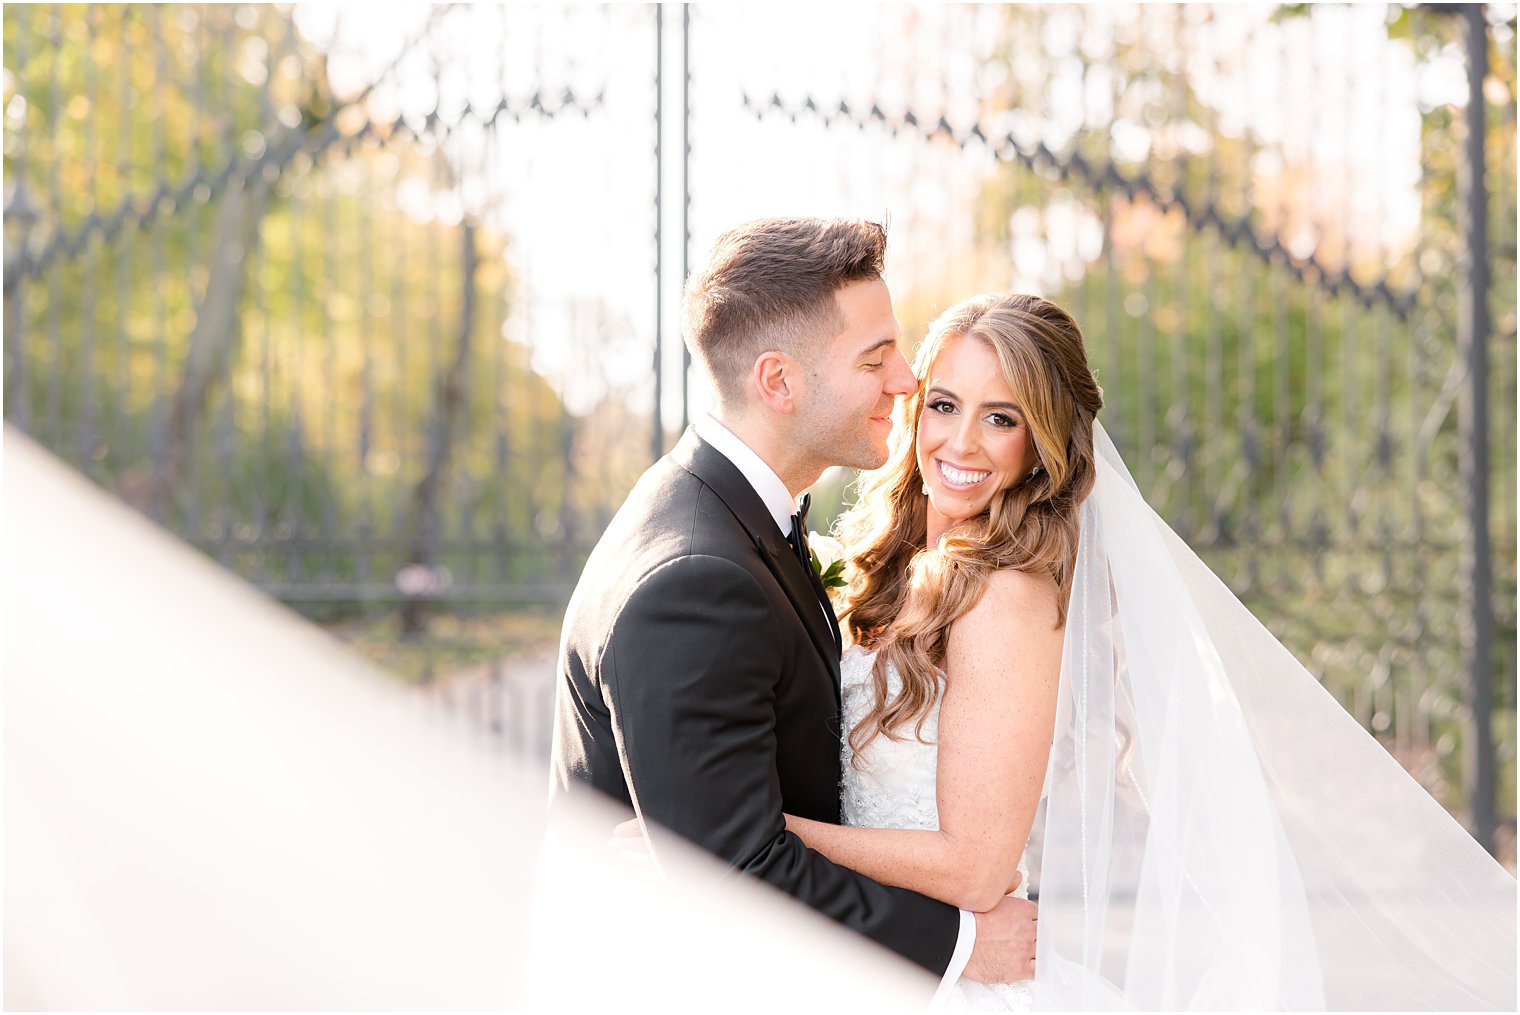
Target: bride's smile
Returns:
[[959, 479]]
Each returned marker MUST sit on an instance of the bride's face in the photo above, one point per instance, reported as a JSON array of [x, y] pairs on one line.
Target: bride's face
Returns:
[[972, 438]]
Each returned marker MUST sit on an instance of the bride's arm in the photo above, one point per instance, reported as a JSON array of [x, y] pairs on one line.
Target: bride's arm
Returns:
[[1003, 665]]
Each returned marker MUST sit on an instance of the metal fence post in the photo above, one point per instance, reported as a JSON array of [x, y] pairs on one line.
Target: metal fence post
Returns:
[[657, 435], [1472, 424], [685, 198]]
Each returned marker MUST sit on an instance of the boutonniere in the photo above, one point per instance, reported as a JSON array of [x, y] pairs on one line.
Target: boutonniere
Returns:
[[828, 560]]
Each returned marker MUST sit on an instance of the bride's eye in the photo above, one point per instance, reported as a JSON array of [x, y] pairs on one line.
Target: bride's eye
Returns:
[[941, 406], [1002, 422]]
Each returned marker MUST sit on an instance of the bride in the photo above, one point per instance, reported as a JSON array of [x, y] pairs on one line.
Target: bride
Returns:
[[1034, 649]]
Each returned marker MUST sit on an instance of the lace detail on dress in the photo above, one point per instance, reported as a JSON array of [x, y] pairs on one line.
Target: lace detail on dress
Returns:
[[969, 995], [894, 785]]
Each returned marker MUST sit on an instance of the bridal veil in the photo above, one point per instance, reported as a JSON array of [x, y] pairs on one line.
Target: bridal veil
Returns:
[[1219, 833]]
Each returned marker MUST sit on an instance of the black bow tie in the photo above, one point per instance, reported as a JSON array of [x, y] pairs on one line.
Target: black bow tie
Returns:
[[798, 537]]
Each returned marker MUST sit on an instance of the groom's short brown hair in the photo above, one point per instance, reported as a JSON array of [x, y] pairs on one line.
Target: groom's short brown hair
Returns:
[[770, 284]]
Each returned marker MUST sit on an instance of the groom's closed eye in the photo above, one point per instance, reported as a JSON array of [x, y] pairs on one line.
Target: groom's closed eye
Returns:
[[875, 357]]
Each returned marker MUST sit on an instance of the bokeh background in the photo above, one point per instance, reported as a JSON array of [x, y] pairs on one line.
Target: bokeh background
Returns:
[[377, 305]]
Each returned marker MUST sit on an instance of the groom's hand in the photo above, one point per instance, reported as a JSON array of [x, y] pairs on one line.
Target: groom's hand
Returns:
[[632, 849], [1004, 951], [628, 837]]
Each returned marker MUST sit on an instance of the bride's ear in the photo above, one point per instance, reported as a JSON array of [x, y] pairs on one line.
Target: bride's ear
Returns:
[[774, 378]]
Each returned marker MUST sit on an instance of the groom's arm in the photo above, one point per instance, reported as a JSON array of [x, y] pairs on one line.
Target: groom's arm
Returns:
[[690, 672]]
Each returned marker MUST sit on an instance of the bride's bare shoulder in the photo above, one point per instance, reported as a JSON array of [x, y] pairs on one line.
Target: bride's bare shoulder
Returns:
[[1014, 601], [1019, 612]]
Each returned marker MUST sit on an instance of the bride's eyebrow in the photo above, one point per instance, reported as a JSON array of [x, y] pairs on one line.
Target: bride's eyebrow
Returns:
[[1003, 406], [937, 390]]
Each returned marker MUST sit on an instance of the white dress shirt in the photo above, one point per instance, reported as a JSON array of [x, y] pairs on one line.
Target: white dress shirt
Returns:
[[779, 502]]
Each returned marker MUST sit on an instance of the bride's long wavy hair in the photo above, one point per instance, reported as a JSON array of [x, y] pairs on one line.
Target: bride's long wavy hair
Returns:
[[903, 595]]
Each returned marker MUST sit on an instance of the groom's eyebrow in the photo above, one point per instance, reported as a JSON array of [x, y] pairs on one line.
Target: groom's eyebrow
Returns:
[[879, 345]]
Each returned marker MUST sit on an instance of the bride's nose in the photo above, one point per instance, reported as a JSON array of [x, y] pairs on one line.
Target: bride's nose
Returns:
[[966, 438]]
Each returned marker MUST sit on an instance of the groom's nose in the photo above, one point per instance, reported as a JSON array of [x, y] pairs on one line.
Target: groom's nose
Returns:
[[900, 379]]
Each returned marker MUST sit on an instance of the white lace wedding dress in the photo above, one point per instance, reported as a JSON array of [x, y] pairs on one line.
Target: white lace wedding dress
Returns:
[[894, 787]]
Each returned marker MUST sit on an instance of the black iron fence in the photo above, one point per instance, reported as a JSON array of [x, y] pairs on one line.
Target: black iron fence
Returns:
[[379, 311], [278, 289]]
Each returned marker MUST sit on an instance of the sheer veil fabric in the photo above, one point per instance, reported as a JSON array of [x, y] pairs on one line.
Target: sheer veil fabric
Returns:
[[1219, 833]]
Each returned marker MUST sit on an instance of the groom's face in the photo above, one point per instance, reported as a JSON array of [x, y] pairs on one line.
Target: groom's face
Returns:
[[856, 380]]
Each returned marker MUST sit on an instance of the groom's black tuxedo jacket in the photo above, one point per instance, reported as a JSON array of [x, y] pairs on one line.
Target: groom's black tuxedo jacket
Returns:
[[699, 683]]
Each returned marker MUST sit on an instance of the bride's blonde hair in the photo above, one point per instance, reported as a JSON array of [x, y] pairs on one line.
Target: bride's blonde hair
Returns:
[[903, 596]]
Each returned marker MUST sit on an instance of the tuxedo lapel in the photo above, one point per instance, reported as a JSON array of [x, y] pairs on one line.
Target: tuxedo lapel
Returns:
[[788, 571], [725, 480]]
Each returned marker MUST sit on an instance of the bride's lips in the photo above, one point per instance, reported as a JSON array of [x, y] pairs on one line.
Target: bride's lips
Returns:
[[954, 478]]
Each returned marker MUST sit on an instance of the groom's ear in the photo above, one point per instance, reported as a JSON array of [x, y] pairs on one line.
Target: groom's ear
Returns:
[[774, 378]]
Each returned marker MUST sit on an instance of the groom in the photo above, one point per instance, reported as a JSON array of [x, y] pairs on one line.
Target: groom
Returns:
[[699, 671]]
